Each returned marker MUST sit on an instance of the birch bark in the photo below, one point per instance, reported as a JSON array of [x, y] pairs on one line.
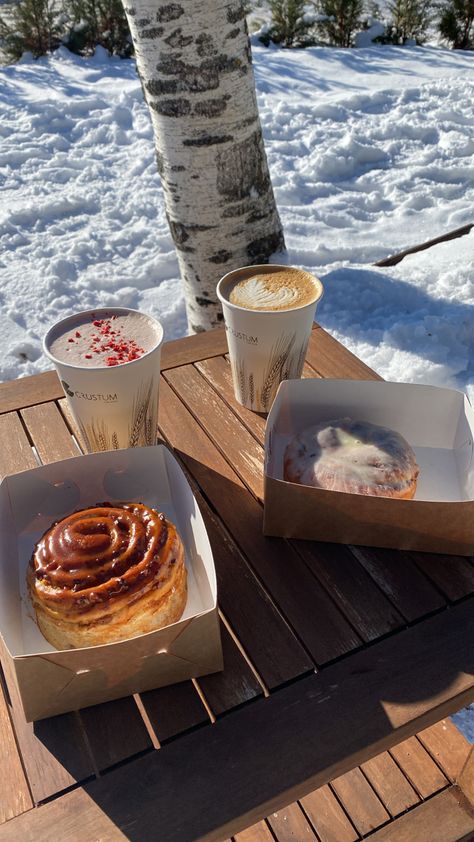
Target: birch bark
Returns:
[[194, 61]]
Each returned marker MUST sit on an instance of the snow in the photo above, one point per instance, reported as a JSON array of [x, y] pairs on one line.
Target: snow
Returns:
[[365, 38], [464, 721], [370, 151]]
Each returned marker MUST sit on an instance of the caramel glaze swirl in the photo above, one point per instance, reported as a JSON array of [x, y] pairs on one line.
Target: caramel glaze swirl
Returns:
[[101, 553]]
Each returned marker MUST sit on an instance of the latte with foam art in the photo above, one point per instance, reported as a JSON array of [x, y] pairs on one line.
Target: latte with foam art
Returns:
[[282, 290]]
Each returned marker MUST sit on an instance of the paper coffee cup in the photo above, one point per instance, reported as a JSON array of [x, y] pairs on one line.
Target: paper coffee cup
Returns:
[[113, 406], [265, 346]]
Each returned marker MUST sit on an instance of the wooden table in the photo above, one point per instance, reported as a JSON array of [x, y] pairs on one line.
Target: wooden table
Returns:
[[332, 653]]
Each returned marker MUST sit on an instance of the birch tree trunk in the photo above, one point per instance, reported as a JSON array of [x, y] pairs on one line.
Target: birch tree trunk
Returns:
[[194, 61]]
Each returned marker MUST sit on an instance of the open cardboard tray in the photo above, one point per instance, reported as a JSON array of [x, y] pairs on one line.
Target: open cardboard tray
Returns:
[[439, 425], [51, 681]]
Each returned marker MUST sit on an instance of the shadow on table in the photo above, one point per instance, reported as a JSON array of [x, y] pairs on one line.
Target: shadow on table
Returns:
[[267, 754]]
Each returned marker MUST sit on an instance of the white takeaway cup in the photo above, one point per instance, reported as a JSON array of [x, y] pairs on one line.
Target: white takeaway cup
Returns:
[[265, 346], [115, 406]]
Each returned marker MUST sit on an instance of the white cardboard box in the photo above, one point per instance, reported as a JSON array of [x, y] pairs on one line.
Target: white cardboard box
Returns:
[[439, 425], [51, 681]]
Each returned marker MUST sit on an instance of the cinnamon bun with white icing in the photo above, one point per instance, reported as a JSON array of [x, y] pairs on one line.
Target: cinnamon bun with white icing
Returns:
[[106, 573], [352, 456]]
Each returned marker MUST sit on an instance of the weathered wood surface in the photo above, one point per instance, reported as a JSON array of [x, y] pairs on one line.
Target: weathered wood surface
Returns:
[[445, 818], [390, 784], [436, 738], [360, 801], [328, 818], [420, 769], [290, 824], [288, 608], [282, 571], [15, 796], [465, 778]]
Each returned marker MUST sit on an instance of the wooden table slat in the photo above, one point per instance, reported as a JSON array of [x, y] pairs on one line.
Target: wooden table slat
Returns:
[[93, 825], [453, 575], [27, 391], [401, 580], [189, 349], [419, 767], [221, 425], [282, 571], [51, 437], [65, 411], [327, 816], [234, 686], [331, 359], [16, 453], [360, 801], [15, 796], [264, 635], [217, 372], [259, 832], [356, 594], [115, 731], [290, 824], [390, 784], [448, 747], [174, 709]]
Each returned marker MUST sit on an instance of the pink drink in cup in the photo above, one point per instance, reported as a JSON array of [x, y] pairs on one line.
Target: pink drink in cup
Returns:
[[108, 362]]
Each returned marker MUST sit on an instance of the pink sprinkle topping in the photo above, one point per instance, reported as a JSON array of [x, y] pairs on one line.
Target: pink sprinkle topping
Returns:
[[110, 342]]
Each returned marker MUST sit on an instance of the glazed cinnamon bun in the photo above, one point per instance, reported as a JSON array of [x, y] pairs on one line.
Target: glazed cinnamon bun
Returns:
[[352, 456], [107, 573]]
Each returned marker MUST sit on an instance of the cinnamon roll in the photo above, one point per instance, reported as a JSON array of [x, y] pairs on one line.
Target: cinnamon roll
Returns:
[[107, 573], [352, 456]]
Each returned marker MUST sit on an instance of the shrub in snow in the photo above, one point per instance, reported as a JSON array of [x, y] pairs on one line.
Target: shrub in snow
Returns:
[[95, 23], [372, 32], [290, 26], [340, 20], [409, 22], [34, 27], [456, 23]]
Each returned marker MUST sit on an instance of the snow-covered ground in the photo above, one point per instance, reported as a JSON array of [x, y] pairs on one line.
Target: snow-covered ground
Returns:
[[370, 151], [464, 720]]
